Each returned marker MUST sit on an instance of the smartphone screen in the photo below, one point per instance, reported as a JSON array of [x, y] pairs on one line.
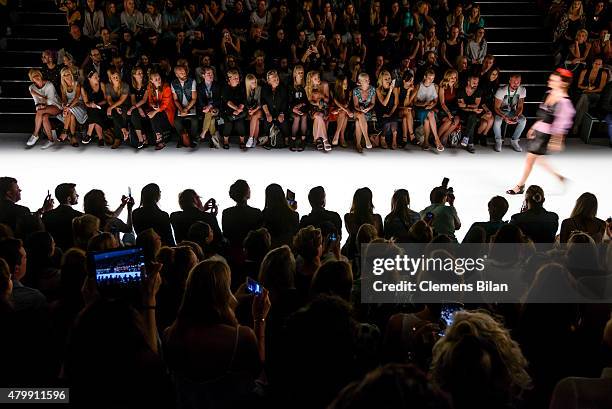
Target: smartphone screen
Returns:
[[447, 315], [290, 197], [118, 268], [253, 287]]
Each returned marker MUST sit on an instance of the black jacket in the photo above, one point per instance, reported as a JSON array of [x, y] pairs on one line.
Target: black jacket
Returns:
[[538, 224], [277, 101], [11, 213], [238, 221], [182, 221], [152, 217], [58, 223], [319, 216], [204, 100]]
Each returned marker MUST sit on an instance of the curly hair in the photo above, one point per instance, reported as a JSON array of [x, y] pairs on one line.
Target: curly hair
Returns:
[[486, 330]]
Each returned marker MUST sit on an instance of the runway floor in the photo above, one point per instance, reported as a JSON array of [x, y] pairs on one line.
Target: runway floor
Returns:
[[474, 177]]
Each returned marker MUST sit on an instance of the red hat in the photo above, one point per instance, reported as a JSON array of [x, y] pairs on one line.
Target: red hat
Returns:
[[564, 72]]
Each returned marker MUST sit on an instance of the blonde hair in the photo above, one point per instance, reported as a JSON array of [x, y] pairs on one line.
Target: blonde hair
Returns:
[[362, 76], [134, 71], [582, 31], [383, 74], [299, 66], [446, 80], [33, 73], [83, 228], [65, 88], [482, 325], [247, 83], [309, 86]]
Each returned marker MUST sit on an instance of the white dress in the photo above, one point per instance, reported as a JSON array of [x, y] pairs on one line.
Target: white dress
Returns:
[[79, 111]]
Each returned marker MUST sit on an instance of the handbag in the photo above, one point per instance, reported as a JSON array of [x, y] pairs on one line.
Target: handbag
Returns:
[[454, 138], [275, 136]]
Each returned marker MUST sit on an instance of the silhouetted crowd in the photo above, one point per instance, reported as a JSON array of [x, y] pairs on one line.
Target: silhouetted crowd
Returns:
[[195, 335]]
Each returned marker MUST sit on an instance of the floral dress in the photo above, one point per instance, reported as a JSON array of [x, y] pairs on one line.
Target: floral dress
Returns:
[[365, 100]]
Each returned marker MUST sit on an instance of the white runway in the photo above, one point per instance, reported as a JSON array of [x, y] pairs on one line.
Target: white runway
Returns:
[[475, 178]]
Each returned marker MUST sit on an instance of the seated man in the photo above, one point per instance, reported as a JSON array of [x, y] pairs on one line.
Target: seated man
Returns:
[[24, 298], [192, 210], [469, 99], [58, 221], [275, 104], [185, 98], [209, 101], [498, 207], [12, 214], [508, 108]]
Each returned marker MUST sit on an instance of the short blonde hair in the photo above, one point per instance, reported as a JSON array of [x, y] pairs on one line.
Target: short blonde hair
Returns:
[[33, 73]]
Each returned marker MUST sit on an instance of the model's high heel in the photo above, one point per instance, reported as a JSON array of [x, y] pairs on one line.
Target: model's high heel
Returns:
[[520, 191]]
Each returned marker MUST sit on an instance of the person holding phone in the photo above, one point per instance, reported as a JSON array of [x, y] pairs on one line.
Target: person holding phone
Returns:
[[279, 217], [193, 210], [95, 204], [58, 221], [206, 346], [11, 214]]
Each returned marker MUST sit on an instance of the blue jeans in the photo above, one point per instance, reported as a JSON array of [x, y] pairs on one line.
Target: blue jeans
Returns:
[[520, 126], [609, 123]]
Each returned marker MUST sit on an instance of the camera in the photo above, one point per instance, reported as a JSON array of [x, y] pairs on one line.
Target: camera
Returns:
[[449, 190]]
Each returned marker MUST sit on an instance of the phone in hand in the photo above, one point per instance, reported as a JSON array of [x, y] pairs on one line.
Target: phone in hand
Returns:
[[129, 192], [253, 287], [332, 238], [429, 217], [447, 315], [290, 198]]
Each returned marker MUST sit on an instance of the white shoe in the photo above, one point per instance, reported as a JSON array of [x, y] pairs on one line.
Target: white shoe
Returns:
[[32, 140], [326, 146], [516, 146], [498, 146], [250, 142], [368, 145], [47, 144], [215, 141]]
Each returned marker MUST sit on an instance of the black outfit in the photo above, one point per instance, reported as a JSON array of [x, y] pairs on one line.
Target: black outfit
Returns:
[[538, 224], [398, 228], [95, 115], [152, 217], [58, 223], [135, 119], [282, 224], [182, 221], [277, 102], [453, 51], [318, 216], [472, 118], [238, 221], [11, 213], [101, 69], [386, 122], [52, 75], [233, 124], [490, 228], [298, 96]]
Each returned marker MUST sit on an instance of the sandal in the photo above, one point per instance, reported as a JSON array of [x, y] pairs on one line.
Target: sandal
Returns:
[[513, 191], [319, 143], [301, 145], [74, 141], [383, 143]]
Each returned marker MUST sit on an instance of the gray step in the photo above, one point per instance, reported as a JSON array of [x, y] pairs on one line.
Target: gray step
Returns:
[[508, 7], [41, 30], [15, 88], [11, 72], [518, 61], [40, 17], [32, 43], [517, 33], [523, 47], [508, 20], [21, 58]]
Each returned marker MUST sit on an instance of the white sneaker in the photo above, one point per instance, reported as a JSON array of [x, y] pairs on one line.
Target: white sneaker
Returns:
[[32, 140], [326, 146], [47, 144], [516, 146], [250, 142], [498, 146]]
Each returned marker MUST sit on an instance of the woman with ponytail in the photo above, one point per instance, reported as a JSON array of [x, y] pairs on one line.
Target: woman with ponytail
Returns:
[[555, 117]]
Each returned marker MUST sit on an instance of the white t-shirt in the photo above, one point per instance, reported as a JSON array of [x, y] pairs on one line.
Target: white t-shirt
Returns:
[[184, 102], [48, 91], [509, 98]]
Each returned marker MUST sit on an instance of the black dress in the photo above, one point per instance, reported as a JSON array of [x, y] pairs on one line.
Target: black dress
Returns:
[[95, 115]]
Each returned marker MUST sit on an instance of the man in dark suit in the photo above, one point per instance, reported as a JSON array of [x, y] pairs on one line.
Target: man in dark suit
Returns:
[[150, 216], [96, 63], [10, 211], [498, 207], [319, 215], [58, 221], [14, 215], [193, 211], [239, 220], [537, 223]]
